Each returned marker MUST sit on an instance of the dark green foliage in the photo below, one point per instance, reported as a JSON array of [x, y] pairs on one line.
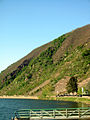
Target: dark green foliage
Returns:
[[86, 56], [72, 85], [80, 47], [29, 76], [10, 77], [86, 53]]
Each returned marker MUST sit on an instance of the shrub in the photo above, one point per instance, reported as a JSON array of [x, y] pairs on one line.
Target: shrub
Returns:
[[86, 53]]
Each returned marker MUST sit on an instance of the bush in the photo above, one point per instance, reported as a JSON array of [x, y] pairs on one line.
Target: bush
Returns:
[[86, 54]]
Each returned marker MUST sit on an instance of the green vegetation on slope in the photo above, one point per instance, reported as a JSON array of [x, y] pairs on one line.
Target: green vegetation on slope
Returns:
[[42, 66], [38, 70]]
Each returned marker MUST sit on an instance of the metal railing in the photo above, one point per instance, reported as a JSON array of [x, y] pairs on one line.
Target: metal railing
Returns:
[[58, 113]]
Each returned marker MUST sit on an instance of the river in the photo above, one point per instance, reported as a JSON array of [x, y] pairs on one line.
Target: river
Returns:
[[9, 106]]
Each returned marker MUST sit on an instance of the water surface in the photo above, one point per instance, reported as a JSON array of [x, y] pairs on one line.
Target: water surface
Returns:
[[9, 106]]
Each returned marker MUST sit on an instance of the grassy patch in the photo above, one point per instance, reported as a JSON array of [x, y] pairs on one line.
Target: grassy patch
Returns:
[[75, 99]]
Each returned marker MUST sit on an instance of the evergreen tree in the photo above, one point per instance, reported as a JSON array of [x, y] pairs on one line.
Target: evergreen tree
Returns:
[[72, 85]]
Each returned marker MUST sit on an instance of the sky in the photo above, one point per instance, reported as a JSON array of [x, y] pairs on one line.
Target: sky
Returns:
[[28, 24]]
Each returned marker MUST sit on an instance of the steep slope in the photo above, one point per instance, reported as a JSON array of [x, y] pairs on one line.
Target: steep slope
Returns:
[[78, 37], [23, 62], [68, 55]]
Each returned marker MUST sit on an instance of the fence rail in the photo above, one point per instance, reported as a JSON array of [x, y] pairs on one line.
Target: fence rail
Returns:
[[58, 113]]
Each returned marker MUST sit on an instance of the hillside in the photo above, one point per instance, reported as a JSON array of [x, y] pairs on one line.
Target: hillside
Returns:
[[47, 69]]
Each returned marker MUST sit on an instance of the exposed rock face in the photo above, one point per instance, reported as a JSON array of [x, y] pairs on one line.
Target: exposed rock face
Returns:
[[84, 82], [60, 87]]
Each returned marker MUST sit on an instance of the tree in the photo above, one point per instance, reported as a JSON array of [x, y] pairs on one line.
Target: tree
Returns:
[[72, 85]]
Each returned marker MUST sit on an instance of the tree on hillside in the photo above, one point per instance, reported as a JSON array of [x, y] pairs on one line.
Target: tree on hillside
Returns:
[[72, 85]]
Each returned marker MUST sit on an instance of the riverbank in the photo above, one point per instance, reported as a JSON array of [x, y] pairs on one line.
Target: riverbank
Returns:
[[83, 99], [18, 97]]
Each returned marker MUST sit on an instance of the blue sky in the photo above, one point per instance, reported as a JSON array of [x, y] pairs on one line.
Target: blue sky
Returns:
[[27, 24]]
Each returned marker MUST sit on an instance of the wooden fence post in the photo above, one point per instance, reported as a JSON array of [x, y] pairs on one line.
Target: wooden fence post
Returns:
[[54, 113], [79, 113], [66, 113]]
